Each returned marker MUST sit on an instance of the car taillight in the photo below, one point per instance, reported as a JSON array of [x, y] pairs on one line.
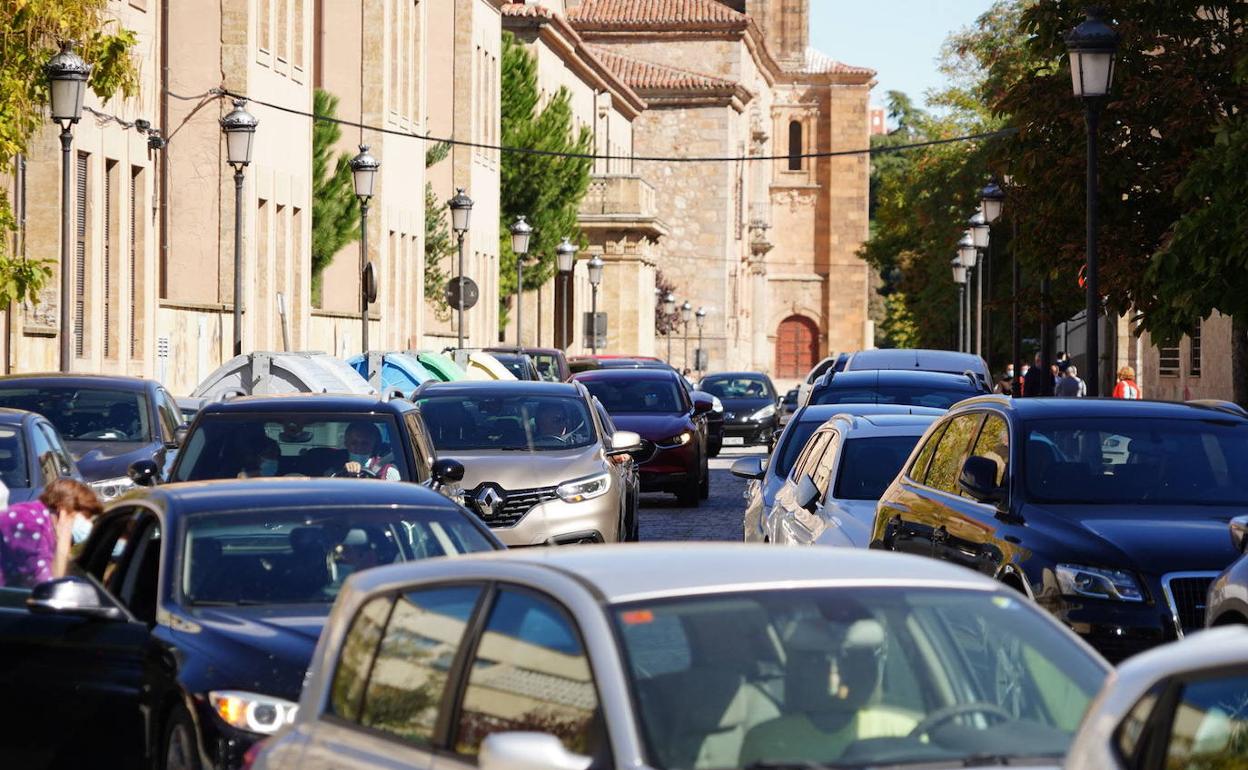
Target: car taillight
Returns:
[[252, 754]]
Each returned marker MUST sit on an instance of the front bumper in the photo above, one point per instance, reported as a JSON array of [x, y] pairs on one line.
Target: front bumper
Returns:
[[551, 521], [1117, 630], [224, 745], [751, 433], [669, 470]]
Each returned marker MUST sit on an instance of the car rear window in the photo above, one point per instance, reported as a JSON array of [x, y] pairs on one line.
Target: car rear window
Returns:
[[869, 465], [937, 397]]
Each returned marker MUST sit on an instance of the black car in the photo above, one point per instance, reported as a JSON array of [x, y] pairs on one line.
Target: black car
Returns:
[[1112, 514], [788, 405], [937, 390], [519, 364], [751, 406], [108, 422], [32, 455], [913, 359], [192, 615], [311, 435]]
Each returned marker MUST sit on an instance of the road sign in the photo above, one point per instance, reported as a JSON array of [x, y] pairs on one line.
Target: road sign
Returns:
[[471, 293]]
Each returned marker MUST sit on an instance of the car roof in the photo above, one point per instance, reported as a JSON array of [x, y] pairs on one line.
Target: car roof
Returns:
[[639, 374], [500, 388], [860, 377], [526, 349], [915, 358], [634, 571], [14, 416], [727, 375], [862, 426], [1040, 408], [115, 382], [308, 402], [824, 412], [283, 492]]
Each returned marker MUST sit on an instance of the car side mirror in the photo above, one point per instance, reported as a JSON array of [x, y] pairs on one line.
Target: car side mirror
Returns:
[[979, 480], [528, 751], [1239, 533], [624, 442], [72, 596], [447, 471], [144, 473], [751, 468], [807, 494], [703, 403]]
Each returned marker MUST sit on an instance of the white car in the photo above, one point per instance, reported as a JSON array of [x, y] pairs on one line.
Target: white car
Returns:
[[689, 656], [829, 497]]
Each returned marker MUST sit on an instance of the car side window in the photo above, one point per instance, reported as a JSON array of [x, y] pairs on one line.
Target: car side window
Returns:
[[947, 462], [1209, 728], [530, 673], [806, 461], [137, 587], [408, 676], [918, 471], [60, 454], [355, 658], [420, 440], [994, 443], [822, 475], [608, 427], [45, 457], [170, 417]]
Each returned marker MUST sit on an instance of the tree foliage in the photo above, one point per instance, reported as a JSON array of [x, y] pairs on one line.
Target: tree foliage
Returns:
[[33, 30], [545, 189], [335, 209], [664, 323], [439, 242]]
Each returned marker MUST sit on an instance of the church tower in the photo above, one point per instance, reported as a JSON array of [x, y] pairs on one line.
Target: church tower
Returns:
[[785, 25]]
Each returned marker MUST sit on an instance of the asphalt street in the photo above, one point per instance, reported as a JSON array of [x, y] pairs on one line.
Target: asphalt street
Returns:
[[718, 518]]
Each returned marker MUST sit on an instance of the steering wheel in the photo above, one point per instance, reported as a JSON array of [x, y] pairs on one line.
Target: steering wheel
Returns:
[[343, 473], [940, 716]]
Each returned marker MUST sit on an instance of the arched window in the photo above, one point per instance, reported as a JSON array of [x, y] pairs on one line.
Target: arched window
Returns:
[[795, 145]]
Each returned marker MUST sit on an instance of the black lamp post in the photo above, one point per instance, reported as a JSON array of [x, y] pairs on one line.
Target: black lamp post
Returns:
[[521, 232], [981, 237], [565, 259], [1092, 46], [991, 205], [700, 315], [461, 212], [595, 278], [67, 76], [968, 256], [364, 171], [669, 307], [959, 278], [686, 315], [239, 127]]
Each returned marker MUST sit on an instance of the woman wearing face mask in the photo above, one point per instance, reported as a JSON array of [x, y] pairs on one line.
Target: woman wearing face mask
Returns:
[[36, 538], [362, 440], [264, 461]]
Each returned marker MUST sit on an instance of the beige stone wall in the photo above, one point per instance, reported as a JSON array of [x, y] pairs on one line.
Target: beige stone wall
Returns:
[[1213, 379]]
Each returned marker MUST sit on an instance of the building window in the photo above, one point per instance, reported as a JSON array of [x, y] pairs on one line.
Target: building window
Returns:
[[795, 145], [283, 31], [1193, 352], [112, 296], [296, 33], [264, 23], [1168, 360], [136, 252], [80, 255]]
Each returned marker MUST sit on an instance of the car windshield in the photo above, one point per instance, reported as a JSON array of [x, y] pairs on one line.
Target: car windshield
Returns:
[[226, 446], [940, 398], [640, 396], [547, 366], [303, 555], [13, 471], [520, 422], [1130, 460], [792, 442], [737, 387], [85, 414], [517, 365], [857, 675], [869, 465]]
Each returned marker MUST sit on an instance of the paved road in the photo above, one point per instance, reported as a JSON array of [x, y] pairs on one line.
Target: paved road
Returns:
[[718, 518]]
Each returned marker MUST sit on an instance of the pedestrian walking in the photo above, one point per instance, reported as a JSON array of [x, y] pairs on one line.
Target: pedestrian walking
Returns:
[[1069, 385], [36, 537], [1126, 387], [1038, 381], [1005, 385]]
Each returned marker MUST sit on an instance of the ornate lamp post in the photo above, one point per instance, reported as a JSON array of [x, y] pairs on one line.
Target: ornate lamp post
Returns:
[[700, 315], [595, 278], [686, 315], [239, 127], [364, 171], [461, 213], [981, 237], [67, 75], [1092, 46], [968, 256], [669, 307], [959, 278], [991, 205], [521, 232], [565, 259]]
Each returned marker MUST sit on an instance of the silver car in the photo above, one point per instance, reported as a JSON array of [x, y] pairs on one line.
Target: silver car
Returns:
[[830, 497], [690, 656], [543, 464]]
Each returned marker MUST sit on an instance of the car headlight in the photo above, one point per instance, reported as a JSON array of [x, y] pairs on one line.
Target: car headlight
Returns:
[[584, 489], [680, 439], [717, 405], [764, 413], [255, 713], [111, 489], [1098, 583]]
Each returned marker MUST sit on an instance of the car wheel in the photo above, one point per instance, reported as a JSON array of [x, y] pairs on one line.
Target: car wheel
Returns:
[[690, 494], [713, 447], [181, 748], [704, 487]]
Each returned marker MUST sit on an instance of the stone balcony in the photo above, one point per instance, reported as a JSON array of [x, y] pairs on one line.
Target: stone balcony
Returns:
[[623, 205]]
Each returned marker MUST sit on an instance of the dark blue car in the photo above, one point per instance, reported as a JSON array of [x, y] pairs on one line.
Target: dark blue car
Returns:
[[193, 614], [32, 455]]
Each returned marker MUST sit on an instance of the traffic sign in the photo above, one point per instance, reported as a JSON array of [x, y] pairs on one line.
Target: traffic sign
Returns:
[[471, 293]]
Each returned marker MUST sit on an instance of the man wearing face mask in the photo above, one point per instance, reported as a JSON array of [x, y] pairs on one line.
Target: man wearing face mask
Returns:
[[362, 441], [36, 538], [264, 461]]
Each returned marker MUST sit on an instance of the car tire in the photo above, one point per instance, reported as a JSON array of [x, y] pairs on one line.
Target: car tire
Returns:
[[180, 748], [704, 486], [713, 447], [690, 494]]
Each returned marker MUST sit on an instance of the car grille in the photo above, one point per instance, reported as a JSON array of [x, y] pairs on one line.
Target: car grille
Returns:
[[1186, 593], [516, 504]]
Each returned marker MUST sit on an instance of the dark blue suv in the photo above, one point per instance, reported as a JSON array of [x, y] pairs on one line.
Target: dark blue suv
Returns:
[[1111, 514]]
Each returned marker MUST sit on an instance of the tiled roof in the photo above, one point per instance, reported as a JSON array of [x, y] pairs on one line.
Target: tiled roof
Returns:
[[644, 76], [629, 14], [528, 11], [818, 63]]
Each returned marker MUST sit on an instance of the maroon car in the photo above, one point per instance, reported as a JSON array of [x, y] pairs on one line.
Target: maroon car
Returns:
[[655, 404]]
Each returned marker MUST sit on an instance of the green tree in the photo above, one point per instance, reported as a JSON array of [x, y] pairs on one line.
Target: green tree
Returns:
[[33, 30], [545, 189], [335, 209], [438, 240]]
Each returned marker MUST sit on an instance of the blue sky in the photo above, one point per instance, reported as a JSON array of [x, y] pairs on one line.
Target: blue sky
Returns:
[[899, 39]]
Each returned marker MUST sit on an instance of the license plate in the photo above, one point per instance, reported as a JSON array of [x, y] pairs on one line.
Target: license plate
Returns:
[[734, 441]]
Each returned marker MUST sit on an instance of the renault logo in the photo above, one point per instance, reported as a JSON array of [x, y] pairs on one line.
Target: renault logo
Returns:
[[490, 502]]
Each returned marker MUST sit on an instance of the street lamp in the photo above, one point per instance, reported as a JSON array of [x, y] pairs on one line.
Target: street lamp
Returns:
[[959, 278], [991, 202], [967, 253], [521, 232], [686, 315], [565, 260], [981, 237], [461, 211], [1092, 46], [595, 278], [992, 205], [67, 76], [364, 172], [239, 127], [669, 307], [700, 315]]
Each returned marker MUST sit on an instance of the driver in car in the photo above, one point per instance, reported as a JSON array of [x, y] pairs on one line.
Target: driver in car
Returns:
[[552, 423], [362, 442]]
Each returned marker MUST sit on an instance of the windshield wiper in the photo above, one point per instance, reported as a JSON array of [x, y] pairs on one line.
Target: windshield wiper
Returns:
[[988, 759], [764, 764], [228, 603]]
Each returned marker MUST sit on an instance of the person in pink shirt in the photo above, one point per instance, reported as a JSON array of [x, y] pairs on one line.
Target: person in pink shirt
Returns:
[[36, 537]]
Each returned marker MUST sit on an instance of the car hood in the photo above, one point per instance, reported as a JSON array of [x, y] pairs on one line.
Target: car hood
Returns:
[[525, 470], [1155, 539], [744, 407], [652, 427], [258, 649], [108, 460]]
